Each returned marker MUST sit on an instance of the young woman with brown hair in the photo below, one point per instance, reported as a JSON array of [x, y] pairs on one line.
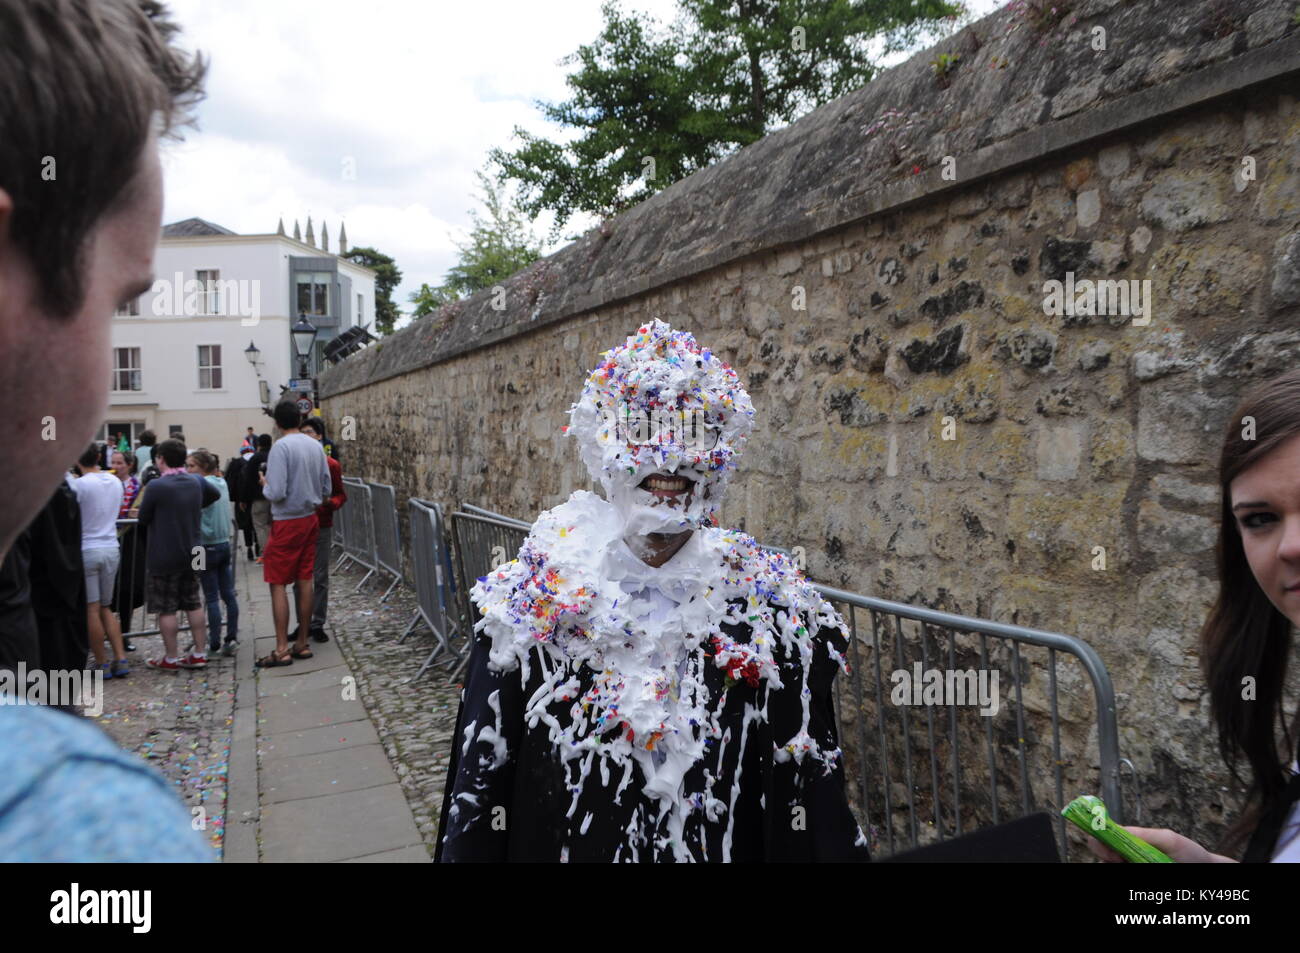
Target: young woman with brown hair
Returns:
[[1246, 640]]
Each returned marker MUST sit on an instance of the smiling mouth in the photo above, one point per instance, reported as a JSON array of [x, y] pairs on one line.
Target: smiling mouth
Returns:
[[666, 486]]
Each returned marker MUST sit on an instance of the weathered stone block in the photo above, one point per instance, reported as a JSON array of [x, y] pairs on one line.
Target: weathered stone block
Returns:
[[1184, 490], [942, 353], [1089, 208], [1178, 423], [1094, 356], [1169, 531], [1033, 347], [1113, 160], [1286, 271], [787, 263], [1181, 201], [1059, 451]]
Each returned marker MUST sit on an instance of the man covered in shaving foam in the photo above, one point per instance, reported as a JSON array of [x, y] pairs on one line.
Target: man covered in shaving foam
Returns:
[[646, 686]]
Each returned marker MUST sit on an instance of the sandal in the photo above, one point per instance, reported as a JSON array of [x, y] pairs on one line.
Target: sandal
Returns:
[[301, 653], [273, 661]]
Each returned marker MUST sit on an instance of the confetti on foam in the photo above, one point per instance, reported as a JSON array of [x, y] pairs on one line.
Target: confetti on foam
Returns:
[[561, 603]]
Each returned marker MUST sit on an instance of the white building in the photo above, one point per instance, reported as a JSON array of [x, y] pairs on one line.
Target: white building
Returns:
[[181, 351]]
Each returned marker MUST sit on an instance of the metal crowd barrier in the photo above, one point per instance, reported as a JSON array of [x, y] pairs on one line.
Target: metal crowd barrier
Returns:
[[360, 531], [339, 539], [387, 536], [916, 773], [482, 543], [919, 784], [434, 589]]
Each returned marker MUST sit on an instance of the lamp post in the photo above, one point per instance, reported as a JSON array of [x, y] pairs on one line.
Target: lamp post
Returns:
[[304, 336], [254, 355]]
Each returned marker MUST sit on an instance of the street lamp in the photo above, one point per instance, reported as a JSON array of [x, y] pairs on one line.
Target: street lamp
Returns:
[[253, 354], [304, 336]]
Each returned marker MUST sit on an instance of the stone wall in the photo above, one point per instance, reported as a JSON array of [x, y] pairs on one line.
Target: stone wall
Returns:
[[927, 432]]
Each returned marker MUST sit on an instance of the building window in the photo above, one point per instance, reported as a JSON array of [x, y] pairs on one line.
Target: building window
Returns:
[[130, 309], [209, 367], [314, 292], [126, 368], [210, 291], [174, 429]]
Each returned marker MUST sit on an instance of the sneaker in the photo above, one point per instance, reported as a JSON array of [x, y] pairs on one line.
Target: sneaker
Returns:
[[193, 661], [107, 670], [128, 645], [318, 634], [214, 647], [120, 669], [166, 664], [228, 650]]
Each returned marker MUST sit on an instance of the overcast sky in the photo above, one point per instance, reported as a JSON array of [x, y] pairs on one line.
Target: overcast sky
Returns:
[[412, 95]]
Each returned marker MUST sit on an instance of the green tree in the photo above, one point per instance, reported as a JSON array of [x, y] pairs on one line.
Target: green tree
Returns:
[[429, 299], [652, 106], [387, 277], [500, 244]]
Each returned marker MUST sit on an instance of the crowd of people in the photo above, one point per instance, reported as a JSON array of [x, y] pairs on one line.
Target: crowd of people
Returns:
[[167, 539]]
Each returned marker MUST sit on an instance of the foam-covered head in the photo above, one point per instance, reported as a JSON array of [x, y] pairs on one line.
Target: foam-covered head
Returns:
[[661, 404]]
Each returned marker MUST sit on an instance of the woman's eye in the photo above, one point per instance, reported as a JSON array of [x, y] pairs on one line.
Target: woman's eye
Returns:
[[1256, 520]]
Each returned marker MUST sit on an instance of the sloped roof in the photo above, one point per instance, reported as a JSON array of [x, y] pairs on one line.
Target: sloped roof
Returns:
[[191, 227]]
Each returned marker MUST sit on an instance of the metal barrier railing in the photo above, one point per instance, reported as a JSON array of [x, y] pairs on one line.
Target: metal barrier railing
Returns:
[[480, 511], [387, 536], [360, 532], [339, 539], [482, 543], [911, 781], [434, 583], [960, 795]]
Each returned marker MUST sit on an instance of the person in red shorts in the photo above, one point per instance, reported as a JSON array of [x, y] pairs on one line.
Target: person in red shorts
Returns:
[[297, 479]]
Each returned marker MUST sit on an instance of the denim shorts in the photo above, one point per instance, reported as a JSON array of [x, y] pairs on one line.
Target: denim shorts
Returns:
[[100, 568]]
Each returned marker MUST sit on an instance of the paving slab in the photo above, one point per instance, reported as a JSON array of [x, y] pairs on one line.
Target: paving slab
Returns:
[[331, 772], [285, 681], [338, 826], [310, 708], [348, 734]]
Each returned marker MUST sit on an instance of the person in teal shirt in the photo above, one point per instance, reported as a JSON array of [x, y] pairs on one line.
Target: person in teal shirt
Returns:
[[218, 574]]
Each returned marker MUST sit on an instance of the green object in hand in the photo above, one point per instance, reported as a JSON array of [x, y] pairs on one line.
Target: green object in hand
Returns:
[[1090, 813]]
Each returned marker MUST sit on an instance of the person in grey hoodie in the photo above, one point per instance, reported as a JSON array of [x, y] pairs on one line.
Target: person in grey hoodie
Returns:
[[297, 478]]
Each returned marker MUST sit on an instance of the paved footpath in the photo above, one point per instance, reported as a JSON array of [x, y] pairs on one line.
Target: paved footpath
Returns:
[[285, 764], [309, 779]]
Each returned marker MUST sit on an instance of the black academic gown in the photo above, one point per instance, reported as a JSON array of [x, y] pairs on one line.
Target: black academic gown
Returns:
[[784, 811]]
